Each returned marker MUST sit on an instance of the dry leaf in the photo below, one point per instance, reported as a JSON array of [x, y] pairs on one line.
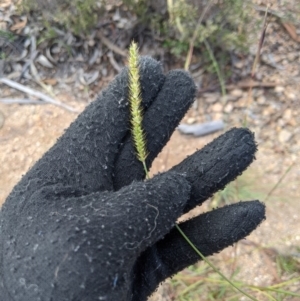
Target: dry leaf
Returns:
[[44, 61], [5, 3], [50, 81], [250, 83], [291, 29], [19, 26]]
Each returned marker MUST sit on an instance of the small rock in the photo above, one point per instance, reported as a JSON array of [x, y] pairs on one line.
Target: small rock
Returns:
[[290, 95], [268, 111], [211, 97], [1, 119], [44, 61], [104, 71], [91, 42], [242, 102], [292, 56], [292, 122], [224, 99], [211, 100], [228, 108], [259, 75], [261, 100], [237, 93], [281, 122], [284, 136], [287, 115], [55, 49], [258, 92], [191, 120], [279, 89], [217, 107], [218, 116], [239, 64]]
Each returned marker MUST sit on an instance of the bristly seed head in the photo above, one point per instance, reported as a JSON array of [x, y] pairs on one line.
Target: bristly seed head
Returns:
[[135, 101]]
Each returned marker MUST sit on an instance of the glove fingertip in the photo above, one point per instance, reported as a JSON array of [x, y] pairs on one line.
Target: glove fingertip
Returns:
[[218, 163], [225, 226], [151, 79]]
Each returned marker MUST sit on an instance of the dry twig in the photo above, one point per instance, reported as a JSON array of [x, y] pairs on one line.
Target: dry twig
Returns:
[[110, 45], [37, 94], [20, 101]]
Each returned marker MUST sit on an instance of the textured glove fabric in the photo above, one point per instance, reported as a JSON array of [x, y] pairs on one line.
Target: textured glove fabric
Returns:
[[82, 225]]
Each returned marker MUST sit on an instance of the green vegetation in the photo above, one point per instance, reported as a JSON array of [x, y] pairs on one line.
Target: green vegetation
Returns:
[[7, 39], [224, 23], [201, 280], [78, 16], [212, 28], [7, 35]]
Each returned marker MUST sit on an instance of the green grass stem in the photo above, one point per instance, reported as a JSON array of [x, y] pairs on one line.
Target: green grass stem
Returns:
[[212, 266], [216, 66]]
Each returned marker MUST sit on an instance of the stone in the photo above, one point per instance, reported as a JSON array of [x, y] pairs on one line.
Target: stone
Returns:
[[290, 95], [191, 120], [284, 136], [261, 100], [217, 116], [217, 107], [279, 89], [1, 119], [287, 115], [211, 97], [292, 122], [237, 93], [228, 108], [239, 64]]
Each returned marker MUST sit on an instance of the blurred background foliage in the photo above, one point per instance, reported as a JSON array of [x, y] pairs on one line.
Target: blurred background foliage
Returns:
[[224, 22]]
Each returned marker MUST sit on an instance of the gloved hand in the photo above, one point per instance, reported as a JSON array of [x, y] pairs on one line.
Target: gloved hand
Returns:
[[82, 225]]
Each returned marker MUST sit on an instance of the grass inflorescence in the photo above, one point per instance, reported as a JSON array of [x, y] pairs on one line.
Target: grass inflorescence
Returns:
[[135, 102]]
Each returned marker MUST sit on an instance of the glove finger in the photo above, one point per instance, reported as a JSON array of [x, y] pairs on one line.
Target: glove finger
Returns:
[[210, 232], [84, 156], [147, 210], [218, 163], [160, 120]]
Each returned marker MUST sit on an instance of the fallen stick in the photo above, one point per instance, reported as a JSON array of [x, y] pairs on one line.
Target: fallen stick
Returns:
[[113, 62], [21, 101], [37, 94], [201, 129], [250, 83], [111, 46]]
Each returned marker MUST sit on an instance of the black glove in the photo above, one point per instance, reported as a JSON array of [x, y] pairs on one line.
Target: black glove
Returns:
[[82, 225]]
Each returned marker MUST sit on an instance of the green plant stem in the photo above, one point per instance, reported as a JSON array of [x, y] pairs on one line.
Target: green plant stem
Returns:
[[191, 287], [285, 282], [193, 39], [254, 287], [279, 181], [211, 265], [216, 66], [264, 293], [146, 170], [262, 288]]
